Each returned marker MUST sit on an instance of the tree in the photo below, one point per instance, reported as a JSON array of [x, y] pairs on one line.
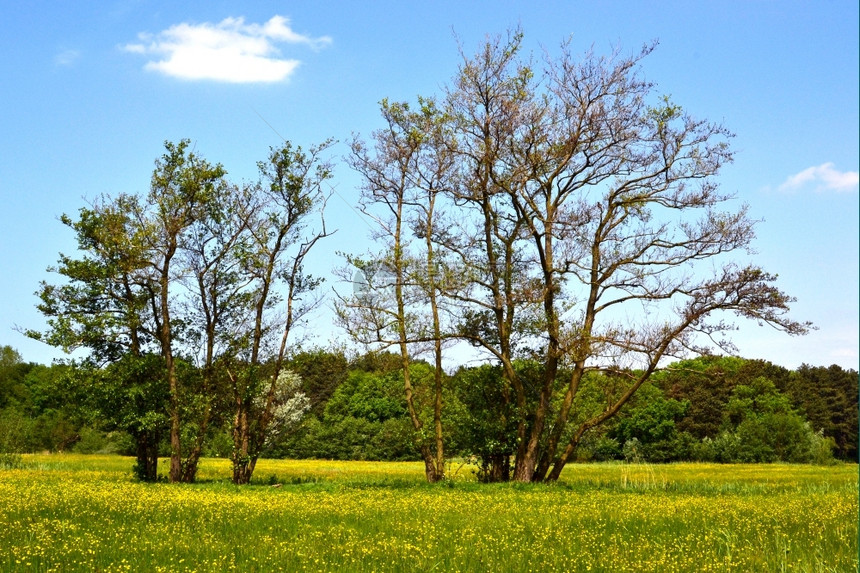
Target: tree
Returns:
[[766, 428], [487, 428], [182, 190], [107, 301], [828, 397], [282, 293], [12, 370], [218, 301], [195, 270], [706, 383], [130, 395], [403, 175], [322, 372], [590, 235], [653, 427]]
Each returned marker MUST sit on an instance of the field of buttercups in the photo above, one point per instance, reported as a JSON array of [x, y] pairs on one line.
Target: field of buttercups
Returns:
[[85, 513]]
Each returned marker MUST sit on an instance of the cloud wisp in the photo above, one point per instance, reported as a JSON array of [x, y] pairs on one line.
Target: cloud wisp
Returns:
[[229, 51], [824, 177], [67, 57]]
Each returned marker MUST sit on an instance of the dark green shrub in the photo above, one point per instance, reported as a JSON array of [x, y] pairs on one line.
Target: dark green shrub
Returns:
[[92, 441], [603, 449]]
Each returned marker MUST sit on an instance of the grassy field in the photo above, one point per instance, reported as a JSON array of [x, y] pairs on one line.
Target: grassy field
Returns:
[[84, 513]]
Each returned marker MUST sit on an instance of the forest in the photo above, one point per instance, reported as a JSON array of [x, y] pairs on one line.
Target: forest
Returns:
[[719, 409], [566, 223]]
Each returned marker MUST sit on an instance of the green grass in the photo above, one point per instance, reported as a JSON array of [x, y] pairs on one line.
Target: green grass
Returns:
[[84, 513]]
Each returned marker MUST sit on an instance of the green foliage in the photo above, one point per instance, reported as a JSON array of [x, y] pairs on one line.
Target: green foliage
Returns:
[[599, 448], [366, 395], [828, 397], [16, 432], [366, 416], [350, 438], [322, 373], [487, 427], [12, 371], [761, 425], [361, 414], [824, 397], [653, 428], [93, 441], [130, 394], [379, 362], [365, 419], [705, 383]]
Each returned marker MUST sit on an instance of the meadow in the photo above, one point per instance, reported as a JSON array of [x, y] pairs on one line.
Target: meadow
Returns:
[[85, 513]]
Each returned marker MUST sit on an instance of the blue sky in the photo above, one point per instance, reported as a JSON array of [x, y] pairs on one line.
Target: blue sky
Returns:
[[91, 91]]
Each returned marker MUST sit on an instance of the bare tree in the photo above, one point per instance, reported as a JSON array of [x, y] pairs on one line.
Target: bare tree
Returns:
[[591, 232], [398, 302]]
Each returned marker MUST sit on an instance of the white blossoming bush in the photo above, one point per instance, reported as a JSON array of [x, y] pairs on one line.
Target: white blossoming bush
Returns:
[[290, 405]]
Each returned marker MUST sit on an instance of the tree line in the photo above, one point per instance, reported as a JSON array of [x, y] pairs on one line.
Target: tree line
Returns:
[[718, 409], [563, 219]]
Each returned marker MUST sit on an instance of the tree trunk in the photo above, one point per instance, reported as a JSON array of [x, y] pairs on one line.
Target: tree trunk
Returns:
[[241, 458], [166, 341], [242, 472], [525, 467], [549, 456], [565, 455], [146, 467], [495, 468], [432, 472], [192, 462], [175, 429]]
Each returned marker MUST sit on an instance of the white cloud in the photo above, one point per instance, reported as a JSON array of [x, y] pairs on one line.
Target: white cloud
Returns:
[[230, 51], [824, 177], [67, 57]]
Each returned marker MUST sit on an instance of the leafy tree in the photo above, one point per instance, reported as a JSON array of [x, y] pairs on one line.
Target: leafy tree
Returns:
[[106, 301], [129, 395], [487, 427], [321, 372], [195, 271], [367, 395], [46, 411], [13, 371], [365, 419], [182, 190], [9, 361], [379, 362], [706, 383], [13, 425], [766, 428], [828, 398], [653, 425], [119, 296], [16, 430]]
